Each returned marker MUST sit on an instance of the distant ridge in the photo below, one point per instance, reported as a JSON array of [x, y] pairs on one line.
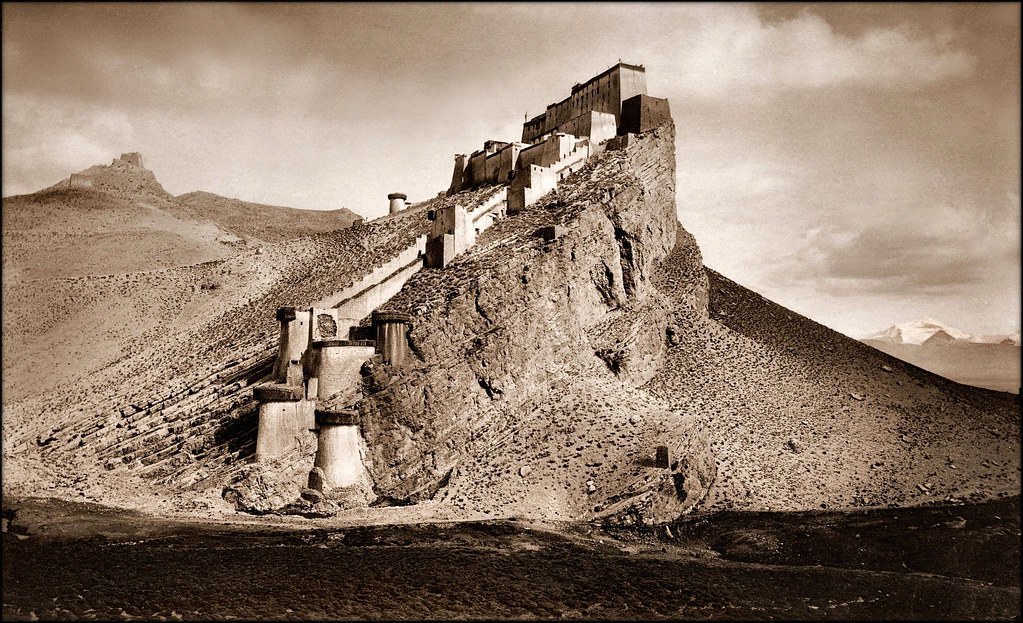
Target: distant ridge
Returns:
[[269, 223], [920, 331], [106, 255], [117, 218], [988, 361]]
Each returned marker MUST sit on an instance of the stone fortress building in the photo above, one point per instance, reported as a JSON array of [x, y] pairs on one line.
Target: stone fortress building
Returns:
[[133, 158], [324, 345], [84, 180]]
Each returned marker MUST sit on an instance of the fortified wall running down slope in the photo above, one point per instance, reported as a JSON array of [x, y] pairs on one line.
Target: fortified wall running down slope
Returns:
[[319, 396]]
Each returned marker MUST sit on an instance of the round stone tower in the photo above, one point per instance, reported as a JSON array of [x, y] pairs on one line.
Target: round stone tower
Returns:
[[397, 201], [391, 343]]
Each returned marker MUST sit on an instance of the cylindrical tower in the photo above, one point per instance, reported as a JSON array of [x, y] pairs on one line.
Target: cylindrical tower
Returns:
[[293, 342], [337, 450], [391, 342], [397, 202], [337, 364], [281, 423]]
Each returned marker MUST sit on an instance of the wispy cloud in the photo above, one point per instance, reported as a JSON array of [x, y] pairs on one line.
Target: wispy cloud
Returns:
[[825, 156], [730, 51], [938, 252], [44, 141]]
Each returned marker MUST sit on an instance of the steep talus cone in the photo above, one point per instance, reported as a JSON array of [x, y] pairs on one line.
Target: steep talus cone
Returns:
[[806, 418]]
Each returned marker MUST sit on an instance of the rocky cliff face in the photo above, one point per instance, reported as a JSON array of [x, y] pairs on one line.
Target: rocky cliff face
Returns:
[[528, 352]]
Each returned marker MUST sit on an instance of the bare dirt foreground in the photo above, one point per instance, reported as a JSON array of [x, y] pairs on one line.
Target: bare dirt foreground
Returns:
[[67, 560]]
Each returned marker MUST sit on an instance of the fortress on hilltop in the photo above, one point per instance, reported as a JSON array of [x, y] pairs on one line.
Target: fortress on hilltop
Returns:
[[325, 344], [86, 179], [133, 158], [541, 340]]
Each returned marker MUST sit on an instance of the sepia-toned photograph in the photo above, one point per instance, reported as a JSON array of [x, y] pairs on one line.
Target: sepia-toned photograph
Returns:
[[505, 311]]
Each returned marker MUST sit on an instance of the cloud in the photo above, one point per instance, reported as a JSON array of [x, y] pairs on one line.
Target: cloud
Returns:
[[945, 251], [49, 139], [728, 51]]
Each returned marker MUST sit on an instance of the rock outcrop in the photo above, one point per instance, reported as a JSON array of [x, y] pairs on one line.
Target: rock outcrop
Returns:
[[520, 396], [508, 330]]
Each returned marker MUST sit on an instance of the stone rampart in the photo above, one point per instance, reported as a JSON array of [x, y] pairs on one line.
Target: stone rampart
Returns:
[[594, 125], [572, 161], [487, 213], [362, 296], [78, 180], [529, 185], [643, 113]]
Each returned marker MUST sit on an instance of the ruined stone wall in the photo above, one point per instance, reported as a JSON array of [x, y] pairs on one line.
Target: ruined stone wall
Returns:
[[133, 158], [79, 181]]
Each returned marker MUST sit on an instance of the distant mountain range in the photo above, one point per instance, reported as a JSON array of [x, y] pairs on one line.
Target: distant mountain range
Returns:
[[989, 361], [928, 330]]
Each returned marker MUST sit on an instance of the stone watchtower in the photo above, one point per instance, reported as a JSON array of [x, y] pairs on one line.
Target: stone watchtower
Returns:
[[397, 202], [133, 158]]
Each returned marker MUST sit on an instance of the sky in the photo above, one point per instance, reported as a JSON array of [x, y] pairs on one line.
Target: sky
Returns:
[[856, 163]]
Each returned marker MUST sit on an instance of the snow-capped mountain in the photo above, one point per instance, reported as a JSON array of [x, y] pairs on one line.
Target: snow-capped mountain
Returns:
[[1011, 338], [918, 332], [989, 361]]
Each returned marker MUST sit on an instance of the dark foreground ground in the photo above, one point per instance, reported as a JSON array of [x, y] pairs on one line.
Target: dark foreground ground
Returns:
[[952, 562]]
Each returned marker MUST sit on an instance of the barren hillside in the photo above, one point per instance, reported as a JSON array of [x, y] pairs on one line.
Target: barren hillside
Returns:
[[91, 273], [805, 416], [267, 223]]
